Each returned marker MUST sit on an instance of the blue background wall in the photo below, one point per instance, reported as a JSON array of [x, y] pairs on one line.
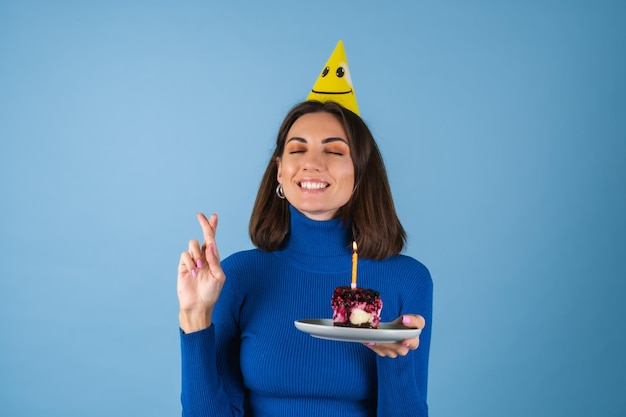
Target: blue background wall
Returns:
[[502, 123]]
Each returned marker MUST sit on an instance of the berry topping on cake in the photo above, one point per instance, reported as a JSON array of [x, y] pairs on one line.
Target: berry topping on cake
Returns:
[[356, 307]]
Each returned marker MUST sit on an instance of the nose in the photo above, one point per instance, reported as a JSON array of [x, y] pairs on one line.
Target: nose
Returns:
[[313, 162]]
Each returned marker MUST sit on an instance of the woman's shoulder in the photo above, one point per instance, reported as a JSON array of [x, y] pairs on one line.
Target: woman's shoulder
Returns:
[[404, 267], [405, 276], [407, 262], [244, 256], [247, 260], [242, 268]]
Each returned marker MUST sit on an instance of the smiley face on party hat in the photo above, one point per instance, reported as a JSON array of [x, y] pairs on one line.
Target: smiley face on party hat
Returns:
[[334, 82]]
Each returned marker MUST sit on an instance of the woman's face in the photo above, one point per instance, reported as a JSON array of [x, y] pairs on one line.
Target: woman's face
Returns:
[[316, 169]]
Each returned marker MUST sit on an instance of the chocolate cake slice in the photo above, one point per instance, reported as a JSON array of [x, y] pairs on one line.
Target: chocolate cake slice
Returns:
[[358, 307]]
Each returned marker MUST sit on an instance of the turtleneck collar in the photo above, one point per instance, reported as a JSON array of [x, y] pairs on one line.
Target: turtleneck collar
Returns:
[[323, 246]]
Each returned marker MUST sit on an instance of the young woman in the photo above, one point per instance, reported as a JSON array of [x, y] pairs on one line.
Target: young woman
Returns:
[[325, 186]]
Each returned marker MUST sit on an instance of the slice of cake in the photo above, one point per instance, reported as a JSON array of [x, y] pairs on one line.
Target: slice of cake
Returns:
[[358, 307]]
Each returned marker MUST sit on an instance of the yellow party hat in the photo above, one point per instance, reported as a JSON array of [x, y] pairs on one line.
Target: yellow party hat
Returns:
[[334, 83]]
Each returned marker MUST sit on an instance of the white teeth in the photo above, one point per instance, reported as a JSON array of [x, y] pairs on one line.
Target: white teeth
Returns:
[[313, 185]]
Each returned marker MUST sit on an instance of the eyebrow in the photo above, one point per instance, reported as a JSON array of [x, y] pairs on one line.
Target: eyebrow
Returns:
[[324, 141]]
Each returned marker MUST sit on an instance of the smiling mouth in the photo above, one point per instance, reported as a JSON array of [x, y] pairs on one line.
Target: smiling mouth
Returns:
[[331, 92], [309, 185]]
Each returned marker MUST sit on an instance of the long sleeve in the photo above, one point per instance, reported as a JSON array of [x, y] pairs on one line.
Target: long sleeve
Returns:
[[211, 375], [402, 382], [203, 391]]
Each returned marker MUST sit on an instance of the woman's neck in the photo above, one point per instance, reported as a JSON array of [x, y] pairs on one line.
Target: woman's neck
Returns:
[[310, 240]]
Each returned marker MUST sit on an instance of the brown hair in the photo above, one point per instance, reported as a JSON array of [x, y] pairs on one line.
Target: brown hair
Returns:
[[370, 212]]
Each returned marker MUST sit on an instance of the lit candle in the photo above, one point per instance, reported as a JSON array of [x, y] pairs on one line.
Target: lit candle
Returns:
[[355, 258]]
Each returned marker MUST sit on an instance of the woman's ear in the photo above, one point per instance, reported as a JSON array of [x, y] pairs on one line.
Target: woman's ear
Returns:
[[279, 172]]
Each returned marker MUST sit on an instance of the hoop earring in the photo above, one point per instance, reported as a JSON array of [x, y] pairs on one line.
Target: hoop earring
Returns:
[[279, 191]]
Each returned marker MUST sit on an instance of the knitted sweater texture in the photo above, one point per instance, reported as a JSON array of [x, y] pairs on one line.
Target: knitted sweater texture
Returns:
[[252, 360]]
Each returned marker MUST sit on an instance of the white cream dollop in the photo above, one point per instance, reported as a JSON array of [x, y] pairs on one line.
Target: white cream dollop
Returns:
[[358, 316]]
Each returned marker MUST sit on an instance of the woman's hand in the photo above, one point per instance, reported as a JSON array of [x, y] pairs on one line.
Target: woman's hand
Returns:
[[393, 350], [200, 279]]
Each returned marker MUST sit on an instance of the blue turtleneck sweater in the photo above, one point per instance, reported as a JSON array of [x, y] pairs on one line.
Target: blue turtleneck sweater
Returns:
[[253, 361]]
